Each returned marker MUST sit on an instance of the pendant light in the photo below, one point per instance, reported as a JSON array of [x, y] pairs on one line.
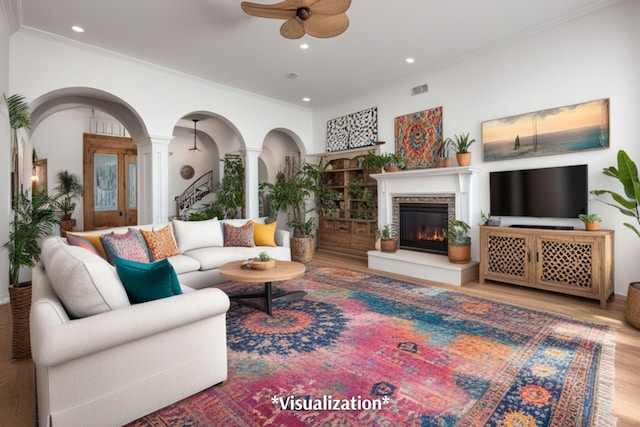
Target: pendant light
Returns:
[[195, 148]]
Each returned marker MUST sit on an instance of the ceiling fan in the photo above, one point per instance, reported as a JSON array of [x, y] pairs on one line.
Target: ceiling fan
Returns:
[[318, 18]]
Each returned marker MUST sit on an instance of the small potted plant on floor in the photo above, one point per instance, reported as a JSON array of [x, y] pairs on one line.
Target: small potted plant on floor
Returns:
[[461, 144], [591, 221], [628, 204], [387, 242], [459, 242], [68, 190]]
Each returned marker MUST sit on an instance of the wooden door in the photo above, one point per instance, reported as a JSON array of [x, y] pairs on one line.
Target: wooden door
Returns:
[[110, 182]]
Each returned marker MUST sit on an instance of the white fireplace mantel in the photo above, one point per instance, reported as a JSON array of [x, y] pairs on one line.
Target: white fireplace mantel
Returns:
[[427, 182]]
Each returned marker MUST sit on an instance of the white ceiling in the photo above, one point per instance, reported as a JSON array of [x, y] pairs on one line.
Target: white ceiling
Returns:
[[215, 40]]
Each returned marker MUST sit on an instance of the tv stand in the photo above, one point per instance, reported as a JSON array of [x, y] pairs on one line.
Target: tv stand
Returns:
[[543, 227], [576, 263]]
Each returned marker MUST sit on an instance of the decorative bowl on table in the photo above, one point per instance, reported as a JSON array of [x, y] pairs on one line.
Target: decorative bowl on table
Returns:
[[257, 264]]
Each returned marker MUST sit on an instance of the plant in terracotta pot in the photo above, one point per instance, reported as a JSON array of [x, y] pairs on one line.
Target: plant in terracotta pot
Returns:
[[459, 242], [591, 221], [393, 162], [387, 242], [33, 219], [461, 144], [290, 194], [372, 163], [443, 153], [627, 203], [68, 190]]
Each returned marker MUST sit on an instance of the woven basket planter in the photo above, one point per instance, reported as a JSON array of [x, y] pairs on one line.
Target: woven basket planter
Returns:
[[633, 304], [20, 299], [302, 249]]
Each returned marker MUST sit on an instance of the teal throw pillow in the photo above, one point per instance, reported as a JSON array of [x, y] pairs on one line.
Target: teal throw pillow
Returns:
[[147, 281]]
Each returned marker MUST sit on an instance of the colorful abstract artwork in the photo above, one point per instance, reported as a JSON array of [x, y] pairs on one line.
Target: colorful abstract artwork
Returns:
[[556, 130], [418, 137], [353, 130]]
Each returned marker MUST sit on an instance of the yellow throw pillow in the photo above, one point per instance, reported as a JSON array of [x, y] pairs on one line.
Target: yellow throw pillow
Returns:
[[95, 241], [264, 234]]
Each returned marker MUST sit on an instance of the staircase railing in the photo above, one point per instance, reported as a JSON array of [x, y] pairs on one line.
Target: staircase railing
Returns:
[[194, 193]]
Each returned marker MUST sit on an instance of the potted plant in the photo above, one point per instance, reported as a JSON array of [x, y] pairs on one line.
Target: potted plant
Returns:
[[68, 190], [459, 242], [461, 144], [591, 221], [33, 219], [290, 194], [372, 163], [393, 162], [387, 242], [629, 204], [443, 153]]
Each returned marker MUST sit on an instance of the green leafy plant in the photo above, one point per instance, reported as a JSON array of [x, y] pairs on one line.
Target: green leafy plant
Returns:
[[443, 149], [373, 161], [629, 203], [392, 159], [589, 218], [229, 202], [68, 189], [461, 143], [263, 256], [484, 217], [458, 233], [384, 232], [33, 219]]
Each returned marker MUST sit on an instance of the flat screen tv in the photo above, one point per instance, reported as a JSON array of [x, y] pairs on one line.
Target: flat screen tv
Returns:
[[558, 192]]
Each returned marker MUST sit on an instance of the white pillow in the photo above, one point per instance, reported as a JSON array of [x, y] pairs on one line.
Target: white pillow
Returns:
[[197, 234], [85, 282]]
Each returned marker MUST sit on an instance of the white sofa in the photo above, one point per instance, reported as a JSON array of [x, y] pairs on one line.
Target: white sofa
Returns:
[[101, 361]]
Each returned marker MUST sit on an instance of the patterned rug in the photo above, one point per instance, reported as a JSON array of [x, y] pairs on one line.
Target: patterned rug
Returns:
[[365, 350]]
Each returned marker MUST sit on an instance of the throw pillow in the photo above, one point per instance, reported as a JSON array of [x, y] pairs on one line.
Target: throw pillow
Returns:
[[197, 234], [238, 236], [129, 245], [160, 243], [95, 241], [264, 234], [82, 242], [147, 281]]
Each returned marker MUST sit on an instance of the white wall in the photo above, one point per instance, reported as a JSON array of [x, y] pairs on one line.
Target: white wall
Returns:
[[593, 57], [5, 156]]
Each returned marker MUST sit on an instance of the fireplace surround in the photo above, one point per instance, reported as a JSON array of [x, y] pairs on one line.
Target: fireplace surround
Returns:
[[451, 186]]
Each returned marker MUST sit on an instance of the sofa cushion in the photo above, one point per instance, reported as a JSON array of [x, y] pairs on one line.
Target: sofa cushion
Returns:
[[85, 283], [161, 243], [147, 281], [238, 236], [95, 241], [210, 258], [81, 242], [130, 245], [264, 234], [184, 264], [197, 234]]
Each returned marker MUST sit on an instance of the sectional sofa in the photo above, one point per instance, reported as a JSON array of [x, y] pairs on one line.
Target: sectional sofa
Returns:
[[101, 360]]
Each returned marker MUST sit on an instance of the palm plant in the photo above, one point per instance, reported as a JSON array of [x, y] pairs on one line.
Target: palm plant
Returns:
[[68, 190], [19, 117], [33, 219], [458, 233]]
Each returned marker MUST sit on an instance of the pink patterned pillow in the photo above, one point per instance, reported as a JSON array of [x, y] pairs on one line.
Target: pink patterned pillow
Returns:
[[238, 236], [130, 245], [74, 240]]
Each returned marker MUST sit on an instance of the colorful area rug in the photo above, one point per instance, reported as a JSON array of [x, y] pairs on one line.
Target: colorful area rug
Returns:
[[365, 350]]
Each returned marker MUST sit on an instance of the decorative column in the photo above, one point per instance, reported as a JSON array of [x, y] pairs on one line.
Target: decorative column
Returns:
[[251, 182], [153, 179]]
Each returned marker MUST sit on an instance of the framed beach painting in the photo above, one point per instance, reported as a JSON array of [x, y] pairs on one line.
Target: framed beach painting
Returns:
[[558, 130], [418, 137]]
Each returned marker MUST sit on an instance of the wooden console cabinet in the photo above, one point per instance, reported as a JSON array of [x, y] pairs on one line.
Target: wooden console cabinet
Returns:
[[572, 262]]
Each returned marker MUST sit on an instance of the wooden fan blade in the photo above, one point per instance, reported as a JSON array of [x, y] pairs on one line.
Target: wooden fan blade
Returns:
[[282, 10], [330, 7], [292, 29], [302, 3], [325, 26]]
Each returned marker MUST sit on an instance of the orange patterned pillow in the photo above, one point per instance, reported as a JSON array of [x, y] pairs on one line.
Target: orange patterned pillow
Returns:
[[161, 243]]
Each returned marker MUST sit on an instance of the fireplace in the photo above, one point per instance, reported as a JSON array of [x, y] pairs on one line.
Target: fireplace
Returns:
[[423, 227]]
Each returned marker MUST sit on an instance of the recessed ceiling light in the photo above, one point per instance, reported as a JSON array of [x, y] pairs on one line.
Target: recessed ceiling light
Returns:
[[292, 76], [77, 29], [410, 60], [304, 46], [306, 99]]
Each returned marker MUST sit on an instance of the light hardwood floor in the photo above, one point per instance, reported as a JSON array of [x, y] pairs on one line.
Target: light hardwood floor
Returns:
[[16, 377]]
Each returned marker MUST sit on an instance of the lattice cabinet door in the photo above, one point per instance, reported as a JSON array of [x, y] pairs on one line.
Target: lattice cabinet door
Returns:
[[505, 255], [569, 263]]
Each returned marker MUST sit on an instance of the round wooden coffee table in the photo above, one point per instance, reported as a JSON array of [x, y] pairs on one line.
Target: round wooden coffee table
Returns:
[[284, 270]]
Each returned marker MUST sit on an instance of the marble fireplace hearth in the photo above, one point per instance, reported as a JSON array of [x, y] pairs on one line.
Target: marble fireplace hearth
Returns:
[[453, 184]]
